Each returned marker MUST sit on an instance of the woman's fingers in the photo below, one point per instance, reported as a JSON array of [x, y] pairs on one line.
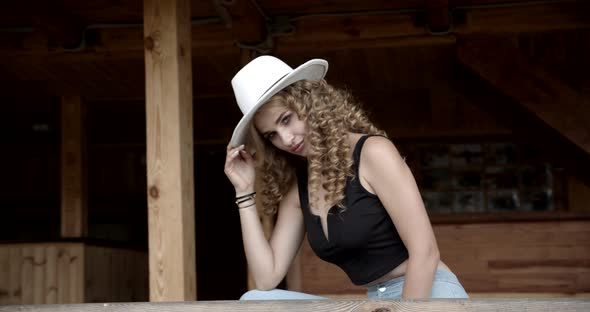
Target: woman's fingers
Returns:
[[233, 151], [232, 154], [245, 155]]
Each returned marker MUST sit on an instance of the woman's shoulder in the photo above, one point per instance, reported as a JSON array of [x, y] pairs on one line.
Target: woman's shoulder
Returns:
[[378, 150], [377, 144]]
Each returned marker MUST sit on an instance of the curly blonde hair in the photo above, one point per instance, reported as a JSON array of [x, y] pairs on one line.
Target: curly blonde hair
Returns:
[[330, 114]]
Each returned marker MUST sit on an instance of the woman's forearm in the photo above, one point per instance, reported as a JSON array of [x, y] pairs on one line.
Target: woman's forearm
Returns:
[[258, 251], [420, 275]]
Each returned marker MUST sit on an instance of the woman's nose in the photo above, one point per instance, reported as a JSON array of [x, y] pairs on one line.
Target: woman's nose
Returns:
[[286, 137]]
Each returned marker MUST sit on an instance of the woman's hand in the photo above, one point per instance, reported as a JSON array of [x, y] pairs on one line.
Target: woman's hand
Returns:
[[239, 169]]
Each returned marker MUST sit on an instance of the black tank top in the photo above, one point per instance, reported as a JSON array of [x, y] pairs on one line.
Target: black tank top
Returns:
[[362, 240]]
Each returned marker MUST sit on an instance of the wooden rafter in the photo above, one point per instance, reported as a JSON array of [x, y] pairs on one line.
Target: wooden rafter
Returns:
[[438, 16], [62, 28], [247, 23], [326, 33], [530, 85]]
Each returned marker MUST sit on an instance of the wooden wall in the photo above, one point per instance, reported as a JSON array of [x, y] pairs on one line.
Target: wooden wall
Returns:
[[49, 273], [520, 257]]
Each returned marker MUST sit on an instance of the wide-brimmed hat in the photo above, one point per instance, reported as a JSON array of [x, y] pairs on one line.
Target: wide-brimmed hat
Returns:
[[262, 78]]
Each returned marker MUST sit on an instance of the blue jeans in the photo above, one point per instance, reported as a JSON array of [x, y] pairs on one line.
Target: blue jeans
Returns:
[[445, 285]]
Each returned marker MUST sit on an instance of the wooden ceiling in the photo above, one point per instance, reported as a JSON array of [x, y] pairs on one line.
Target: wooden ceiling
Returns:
[[95, 48]]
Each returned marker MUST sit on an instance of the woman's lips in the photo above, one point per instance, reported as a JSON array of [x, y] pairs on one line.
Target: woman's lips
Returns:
[[297, 148]]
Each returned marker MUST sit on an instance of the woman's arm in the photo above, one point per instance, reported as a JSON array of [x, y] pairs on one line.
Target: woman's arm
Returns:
[[269, 261], [388, 176]]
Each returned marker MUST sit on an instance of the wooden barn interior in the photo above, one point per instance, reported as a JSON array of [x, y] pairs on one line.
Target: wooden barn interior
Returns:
[[115, 116]]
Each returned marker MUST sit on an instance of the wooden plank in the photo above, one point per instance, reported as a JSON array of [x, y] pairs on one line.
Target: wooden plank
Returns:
[[38, 274], [578, 195], [438, 17], [247, 24], [26, 275], [5, 272], [50, 274], [530, 85], [63, 264], [98, 274], [64, 30], [15, 279], [534, 17], [322, 31], [167, 31], [76, 274], [480, 305], [74, 202], [524, 257]]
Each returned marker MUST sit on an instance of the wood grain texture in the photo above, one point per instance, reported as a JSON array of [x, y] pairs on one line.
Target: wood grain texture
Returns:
[[41, 273], [480, 305], [169, 140], [115, 275], [520, 257], [74, 200]]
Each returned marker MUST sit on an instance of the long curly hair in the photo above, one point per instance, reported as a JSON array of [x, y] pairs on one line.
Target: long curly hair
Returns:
[[330, 114]]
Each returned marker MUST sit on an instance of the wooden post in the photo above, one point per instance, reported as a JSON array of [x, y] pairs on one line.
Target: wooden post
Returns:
[[171, 216], [74, 212]]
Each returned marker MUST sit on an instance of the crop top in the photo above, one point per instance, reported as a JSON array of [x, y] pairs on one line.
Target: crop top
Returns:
[[362, 240]]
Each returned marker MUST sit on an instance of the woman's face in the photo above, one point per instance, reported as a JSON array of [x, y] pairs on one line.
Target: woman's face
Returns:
[[283, 128]]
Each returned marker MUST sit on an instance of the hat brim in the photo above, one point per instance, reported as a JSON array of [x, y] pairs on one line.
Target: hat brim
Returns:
[[314, 69]]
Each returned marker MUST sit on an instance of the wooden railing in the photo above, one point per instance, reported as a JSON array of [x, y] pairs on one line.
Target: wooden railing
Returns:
[[537, 305]]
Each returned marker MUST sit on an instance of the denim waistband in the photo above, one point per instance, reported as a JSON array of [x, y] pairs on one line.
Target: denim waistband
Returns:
[[441, 275]]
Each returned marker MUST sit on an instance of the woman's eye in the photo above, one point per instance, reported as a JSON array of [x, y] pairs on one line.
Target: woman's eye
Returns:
[[270, 136], [285, 119]]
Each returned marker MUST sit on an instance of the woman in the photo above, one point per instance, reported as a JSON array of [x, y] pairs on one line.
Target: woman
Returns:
[[314, 158]]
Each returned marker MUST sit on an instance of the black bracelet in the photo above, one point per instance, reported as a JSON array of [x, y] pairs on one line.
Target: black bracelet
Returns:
[[244, 196], [243, 200], [252, 204]]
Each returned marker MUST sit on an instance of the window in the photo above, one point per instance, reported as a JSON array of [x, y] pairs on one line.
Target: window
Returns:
[[481, 177]]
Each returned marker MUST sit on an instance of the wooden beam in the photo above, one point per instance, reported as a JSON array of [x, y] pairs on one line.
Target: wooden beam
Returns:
[[171, 217], [247, 24], [64, 30], [74, 194], [530, 85], [526, 126], [337, 305], [329, 32], [438, 16], [530, 18]]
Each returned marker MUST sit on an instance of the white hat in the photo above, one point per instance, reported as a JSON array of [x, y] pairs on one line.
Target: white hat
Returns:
[[262, 78]]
